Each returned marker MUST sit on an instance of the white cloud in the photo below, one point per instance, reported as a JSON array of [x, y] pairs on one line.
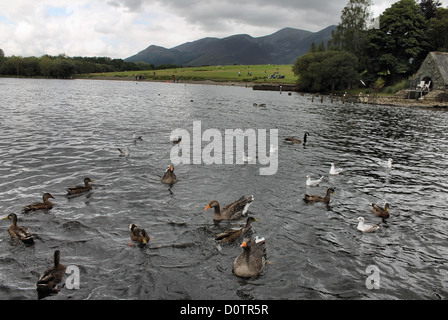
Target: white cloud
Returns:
[[120, 28]]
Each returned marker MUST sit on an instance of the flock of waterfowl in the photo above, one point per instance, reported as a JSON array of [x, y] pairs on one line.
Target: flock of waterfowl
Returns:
[[249, 263]]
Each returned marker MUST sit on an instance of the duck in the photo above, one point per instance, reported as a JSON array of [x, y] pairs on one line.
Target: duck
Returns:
[[334, 170], [380, 212], [315, 198], [366, 227], [50, 278], [232, 234], [80, 189], [138, 235], [169, 177], [176, 140], [251, 261], [18, 232], [313, 182], [232, 211], [295, 140], [124, 152], [45, 205]]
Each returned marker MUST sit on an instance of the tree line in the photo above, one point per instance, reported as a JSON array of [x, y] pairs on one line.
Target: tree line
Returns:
[[64, 67], [368, 52]]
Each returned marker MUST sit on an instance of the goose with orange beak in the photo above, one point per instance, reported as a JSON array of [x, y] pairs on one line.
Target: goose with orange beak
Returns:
[[251, 261], [232, 211]]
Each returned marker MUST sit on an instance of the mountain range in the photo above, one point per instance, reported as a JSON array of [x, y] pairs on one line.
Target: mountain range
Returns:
[[281, 47]]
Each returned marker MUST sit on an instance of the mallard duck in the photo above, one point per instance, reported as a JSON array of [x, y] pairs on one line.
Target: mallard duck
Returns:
[[50, 278], [232, 211], [297, 140], [80, 189], [334, 170], [232, 234], [366, 227], [380, 212], [313, 182], [17, 232], [169, 177], [45, 205], [315, 198], [138, 235], [251, 261]]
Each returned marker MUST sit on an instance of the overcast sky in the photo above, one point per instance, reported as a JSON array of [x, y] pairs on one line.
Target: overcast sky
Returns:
[[121, 28]]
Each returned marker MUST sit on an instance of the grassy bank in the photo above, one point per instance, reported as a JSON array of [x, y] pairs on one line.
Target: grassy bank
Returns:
[[235, 73]]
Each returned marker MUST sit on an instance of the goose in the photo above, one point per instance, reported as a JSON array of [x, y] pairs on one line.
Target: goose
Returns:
[[251, 261], [18, 232], [232, 211], [169, 177], [334, 170], [315, 198], [45, 205], [80, 189], [297, 140], [50, 278], [232, 234], [313, 182], [138, 235], [366, 227]]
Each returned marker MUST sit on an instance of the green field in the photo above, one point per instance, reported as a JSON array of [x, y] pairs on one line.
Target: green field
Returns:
[[248, 73]]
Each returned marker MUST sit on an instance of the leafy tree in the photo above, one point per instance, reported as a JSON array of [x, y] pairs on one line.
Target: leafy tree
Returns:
[[429, 8], [324, 71], [438, 30]]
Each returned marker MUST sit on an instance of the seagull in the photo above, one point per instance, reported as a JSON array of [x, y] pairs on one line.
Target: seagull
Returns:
[[135, 137], [334, 170], [387, 163], [313, 183], [366, 227]]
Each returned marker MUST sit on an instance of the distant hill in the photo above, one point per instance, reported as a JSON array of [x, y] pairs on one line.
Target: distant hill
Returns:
[[281, 47]]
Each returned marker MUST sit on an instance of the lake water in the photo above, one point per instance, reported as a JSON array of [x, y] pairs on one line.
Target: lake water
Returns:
[[55, 133]]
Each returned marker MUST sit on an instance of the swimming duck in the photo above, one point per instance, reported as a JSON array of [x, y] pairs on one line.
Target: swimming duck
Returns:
[[366, 227], [124, 153], [380, 212], [80, 189], [232, 211], [169, 177], [315, 198], [138, 234], [45, 205], [50, 278], [334, 170], [176, 140], [251, 261], [232, 234], [313, 182], [17, 232], [297, 140]]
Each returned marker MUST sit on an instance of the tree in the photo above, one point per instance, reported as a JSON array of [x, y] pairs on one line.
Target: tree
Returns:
[[429, 8], [324, 71], [351, 34], [437, 30]]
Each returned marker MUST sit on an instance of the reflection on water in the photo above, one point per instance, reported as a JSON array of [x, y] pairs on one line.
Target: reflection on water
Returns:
[[55, 133]]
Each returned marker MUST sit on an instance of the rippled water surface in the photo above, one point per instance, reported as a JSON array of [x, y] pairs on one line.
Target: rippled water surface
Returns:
[[54, 133]]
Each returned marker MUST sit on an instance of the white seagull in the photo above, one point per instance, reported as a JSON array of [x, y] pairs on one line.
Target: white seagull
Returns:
[[313, 183], [387, 163], [366, 227], [334, 170]]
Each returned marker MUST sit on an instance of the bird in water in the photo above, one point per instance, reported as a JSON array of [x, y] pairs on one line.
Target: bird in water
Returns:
[[295, 140], [136, 137], [252, 260], [45, 205], [50, 278], [80, 189], [169, 177], [313, 182], [380, 212], [18, 232], [138, 235], [366, 227], [334, 170], [124, 152], [176, 140], [311, 198], [232, 234], [232, 211], [386, 163]]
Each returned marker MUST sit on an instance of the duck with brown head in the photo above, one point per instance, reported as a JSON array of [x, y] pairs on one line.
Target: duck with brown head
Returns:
[[18, 232], [45, 205]]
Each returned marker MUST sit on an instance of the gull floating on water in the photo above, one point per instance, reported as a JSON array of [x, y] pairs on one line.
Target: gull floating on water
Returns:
[[334, 170], [387, 163], [313, 182], [366, 227]]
